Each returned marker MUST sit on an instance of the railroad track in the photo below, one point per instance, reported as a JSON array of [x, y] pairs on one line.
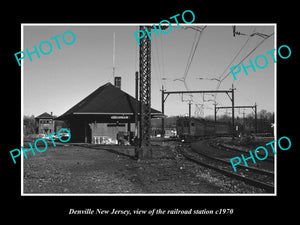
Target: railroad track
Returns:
[[227, 148], [254, 177]]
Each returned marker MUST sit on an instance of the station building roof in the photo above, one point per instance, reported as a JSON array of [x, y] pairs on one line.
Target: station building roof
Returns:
[[106, 100]]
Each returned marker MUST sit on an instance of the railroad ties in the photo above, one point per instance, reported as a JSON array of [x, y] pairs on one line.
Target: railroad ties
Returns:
[[259, 178]]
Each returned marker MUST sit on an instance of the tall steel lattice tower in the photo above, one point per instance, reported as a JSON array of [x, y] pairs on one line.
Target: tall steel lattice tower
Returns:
[[145, 89]]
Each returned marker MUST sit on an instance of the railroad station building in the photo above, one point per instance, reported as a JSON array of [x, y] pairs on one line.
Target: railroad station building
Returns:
[[48, 123], [45, 123], [103, 117]]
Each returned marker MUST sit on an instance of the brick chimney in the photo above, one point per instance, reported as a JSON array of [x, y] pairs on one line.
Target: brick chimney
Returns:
[[118, 82]]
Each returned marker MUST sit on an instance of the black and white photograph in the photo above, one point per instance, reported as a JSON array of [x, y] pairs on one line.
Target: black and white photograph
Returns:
[[183, 109], [154, 113]]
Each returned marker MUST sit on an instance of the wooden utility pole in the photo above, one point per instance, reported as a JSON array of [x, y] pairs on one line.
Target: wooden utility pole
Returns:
[[215, 104], [190, 115], [163, 112], [255, 112], [232, 101]]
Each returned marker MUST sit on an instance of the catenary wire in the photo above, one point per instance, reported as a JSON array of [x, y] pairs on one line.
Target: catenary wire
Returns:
[[247, 55]]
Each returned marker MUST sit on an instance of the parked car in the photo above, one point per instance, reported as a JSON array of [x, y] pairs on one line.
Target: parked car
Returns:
[[63, 135]]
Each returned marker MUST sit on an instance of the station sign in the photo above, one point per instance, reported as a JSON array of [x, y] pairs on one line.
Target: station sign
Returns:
[[119, 117]]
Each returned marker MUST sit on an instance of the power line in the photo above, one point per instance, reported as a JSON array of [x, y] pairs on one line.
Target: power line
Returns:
[[243, 46], [220, 81], [252, 33], [190, 55], [248, 55], [158, 62], [196, 40], [193, 50], [162, 56]]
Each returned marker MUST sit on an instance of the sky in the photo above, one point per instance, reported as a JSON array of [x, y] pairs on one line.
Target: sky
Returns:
[[59, 80]]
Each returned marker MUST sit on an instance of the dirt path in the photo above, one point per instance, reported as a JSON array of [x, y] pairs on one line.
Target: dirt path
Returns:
[[75, 169]]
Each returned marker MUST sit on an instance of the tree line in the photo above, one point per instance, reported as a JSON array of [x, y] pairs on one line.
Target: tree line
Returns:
[[265, 120]]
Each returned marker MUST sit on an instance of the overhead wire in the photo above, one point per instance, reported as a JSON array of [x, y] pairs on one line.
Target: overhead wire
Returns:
[[233, 59], [248, 55], [195, 44], [190, 55], [162, 56], [231, 62], [243, 59], [193, 50], [156, 64]]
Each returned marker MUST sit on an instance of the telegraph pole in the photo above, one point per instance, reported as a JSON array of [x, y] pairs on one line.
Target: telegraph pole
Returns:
[[215, 104], [255, 112], [190, 111], [145, 94], [232, 101], [163, 112]]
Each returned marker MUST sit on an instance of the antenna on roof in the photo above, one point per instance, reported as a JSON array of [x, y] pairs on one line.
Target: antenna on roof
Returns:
[[114, 49]]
